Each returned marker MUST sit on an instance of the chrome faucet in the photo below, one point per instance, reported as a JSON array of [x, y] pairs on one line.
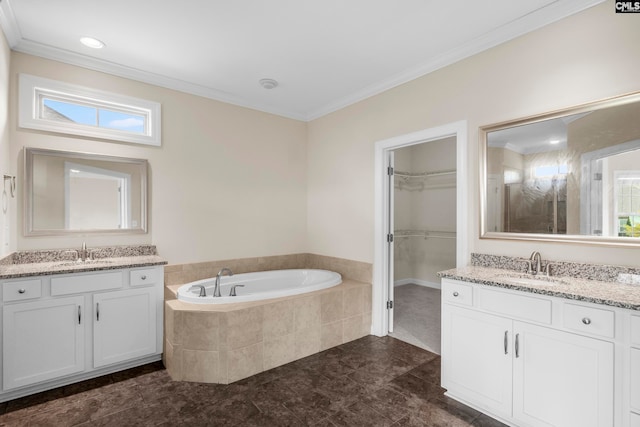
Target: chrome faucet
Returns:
[[216, 289], [83, 253], [537, 259]]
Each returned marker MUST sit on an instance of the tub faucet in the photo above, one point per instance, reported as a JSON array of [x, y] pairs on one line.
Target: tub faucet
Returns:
[[537, 259], [216, 289]]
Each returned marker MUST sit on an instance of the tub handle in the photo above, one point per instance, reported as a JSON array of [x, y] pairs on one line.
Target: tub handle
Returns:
[[232, 292]]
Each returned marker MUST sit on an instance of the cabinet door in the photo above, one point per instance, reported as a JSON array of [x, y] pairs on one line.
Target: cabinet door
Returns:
[[124, 325], [476, 358], [562, 379], [42, 340]]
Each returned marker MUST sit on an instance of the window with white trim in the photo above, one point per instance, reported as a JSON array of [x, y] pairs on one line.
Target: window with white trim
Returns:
[[627, 203], [54, 106]]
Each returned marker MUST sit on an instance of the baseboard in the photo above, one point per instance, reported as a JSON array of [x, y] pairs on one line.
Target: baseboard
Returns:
[[418, 282]]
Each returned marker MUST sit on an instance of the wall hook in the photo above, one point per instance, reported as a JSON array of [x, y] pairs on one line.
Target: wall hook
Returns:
[[12, 184]]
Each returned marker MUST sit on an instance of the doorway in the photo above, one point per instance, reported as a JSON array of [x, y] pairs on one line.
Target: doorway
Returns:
[[423, 199], [384, 278]]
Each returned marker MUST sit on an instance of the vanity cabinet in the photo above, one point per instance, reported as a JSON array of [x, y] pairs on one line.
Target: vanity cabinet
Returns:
[[70, 327], [42, 340], [528, 359], [124, 325]]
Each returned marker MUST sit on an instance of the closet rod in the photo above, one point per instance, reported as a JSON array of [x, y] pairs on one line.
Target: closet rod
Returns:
[[424, 174]]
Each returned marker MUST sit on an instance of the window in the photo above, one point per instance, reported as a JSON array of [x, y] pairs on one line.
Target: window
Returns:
[[550, 170], [54, 106], [627, 203]]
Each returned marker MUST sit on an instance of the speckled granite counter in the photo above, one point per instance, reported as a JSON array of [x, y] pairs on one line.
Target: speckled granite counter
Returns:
[[47, 262], [511, 275]]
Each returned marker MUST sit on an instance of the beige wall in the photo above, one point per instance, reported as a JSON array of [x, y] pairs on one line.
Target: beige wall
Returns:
[[586, 57], [7, 167], [228, 182]]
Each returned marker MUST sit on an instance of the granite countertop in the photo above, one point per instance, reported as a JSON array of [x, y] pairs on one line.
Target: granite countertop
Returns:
[[613, 293], [63, 261]]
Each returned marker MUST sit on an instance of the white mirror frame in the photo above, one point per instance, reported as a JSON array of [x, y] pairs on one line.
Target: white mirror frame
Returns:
[[572, 238], [28, 192]]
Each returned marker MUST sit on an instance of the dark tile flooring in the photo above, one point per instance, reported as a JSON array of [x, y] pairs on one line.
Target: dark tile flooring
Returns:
[[369, 382]]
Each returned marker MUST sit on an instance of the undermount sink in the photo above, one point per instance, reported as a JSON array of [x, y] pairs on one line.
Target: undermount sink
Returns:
[[83, 263], [532, 280]]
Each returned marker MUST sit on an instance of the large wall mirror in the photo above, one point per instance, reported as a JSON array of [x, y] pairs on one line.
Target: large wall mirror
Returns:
[[68, 192], [571, 175]]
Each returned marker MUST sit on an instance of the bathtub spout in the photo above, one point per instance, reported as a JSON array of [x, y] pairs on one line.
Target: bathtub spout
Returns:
[[216, 290]]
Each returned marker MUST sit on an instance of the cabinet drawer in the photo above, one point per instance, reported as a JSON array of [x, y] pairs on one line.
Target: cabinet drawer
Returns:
[[85, 283], [21, 290], [514, 305], [635, 330], [589, 320], [634, 420], [634, 399], [457, 293], [147, 276]]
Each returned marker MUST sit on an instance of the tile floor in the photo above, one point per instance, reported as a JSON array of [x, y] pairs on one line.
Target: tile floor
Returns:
[[369, 382]]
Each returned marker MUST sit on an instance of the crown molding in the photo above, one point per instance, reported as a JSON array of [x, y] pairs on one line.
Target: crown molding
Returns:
[[68, 57], [9, 24], [556, 11], [530, 22]]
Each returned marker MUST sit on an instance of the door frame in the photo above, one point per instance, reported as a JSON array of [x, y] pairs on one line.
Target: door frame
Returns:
[[381, 282]]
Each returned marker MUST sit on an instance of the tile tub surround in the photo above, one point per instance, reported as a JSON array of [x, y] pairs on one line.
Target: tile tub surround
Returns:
[[63, 261], [611, 293], [180, 274], [224, 343]]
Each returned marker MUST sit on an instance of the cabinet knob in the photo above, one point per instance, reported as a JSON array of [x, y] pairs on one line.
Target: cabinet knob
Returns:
[[455, 294], [143, 277], [22, 291], [586, 320]]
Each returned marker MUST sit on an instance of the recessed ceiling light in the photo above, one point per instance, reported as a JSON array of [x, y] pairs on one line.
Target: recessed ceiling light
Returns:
[[91, 42], [268, 83], [554, 141]]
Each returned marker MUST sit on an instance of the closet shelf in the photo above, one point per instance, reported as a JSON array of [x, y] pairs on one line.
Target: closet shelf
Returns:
[[422, 175], [425, 234]]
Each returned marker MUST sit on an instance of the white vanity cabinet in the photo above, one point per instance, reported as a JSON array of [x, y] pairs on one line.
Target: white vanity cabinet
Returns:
[[42, 340], [124, 325], [529, 359], [65, 328]]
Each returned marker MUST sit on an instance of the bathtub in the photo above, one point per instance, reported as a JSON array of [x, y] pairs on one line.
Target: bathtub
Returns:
[[261, 285]]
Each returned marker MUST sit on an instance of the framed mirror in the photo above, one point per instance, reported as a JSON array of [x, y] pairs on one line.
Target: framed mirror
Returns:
[[69, 192], [570, 175]]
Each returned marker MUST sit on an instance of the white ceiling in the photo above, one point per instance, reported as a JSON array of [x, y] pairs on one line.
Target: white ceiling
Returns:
[[325, 54]]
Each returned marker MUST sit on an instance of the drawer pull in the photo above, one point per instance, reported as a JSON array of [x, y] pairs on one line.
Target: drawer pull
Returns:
[[455, 294], [517, 345], [506, 342], [143, 277], [79, 315], [22, 291], [586, 320]]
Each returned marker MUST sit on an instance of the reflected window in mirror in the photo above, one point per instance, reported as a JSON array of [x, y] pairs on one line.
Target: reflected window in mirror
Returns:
[[573, 174], [69, 192]]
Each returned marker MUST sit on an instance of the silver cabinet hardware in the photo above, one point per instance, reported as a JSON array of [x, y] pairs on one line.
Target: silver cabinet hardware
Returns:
[[517, 345], [586, 320], [22, 291], [506, 342], [79, 315], [143, 277], [455, 294], [97, 312]]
